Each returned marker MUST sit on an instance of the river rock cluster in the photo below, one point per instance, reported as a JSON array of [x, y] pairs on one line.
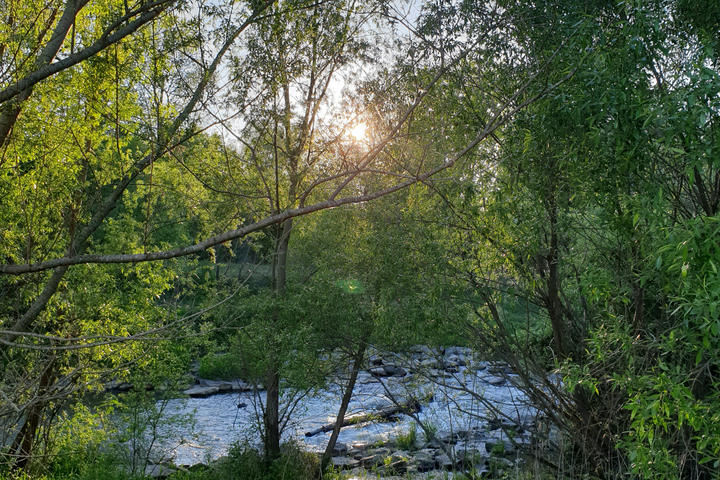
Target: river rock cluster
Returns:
[[490, 446]]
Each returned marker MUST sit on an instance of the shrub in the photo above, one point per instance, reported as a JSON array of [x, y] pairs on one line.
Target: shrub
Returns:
[[224, 367], [246, 463]]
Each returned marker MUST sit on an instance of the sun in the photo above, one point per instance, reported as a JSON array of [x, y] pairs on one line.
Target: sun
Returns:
[[358, 131]]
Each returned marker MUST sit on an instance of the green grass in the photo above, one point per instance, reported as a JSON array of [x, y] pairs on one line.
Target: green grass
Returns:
[[406, 441]]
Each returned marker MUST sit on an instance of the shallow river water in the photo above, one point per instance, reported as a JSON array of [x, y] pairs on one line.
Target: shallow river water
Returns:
[[219, 422]]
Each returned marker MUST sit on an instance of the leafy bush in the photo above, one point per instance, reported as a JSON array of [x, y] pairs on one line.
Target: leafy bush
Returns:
[[224, 367], [246, 463]]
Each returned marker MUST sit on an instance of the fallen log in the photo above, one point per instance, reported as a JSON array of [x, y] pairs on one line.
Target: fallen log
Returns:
[[383, 414]]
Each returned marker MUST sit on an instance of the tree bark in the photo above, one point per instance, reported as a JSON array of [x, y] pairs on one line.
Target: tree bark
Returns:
[[271, 418], [339, 422]]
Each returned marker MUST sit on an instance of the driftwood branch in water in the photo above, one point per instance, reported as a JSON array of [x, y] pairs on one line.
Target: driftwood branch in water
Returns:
[[383, 414]]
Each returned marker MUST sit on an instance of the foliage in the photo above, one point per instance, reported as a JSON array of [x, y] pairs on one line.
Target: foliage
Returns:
[[595, 212], [582, 239], [245, 463], [224, 367], [144, 429]]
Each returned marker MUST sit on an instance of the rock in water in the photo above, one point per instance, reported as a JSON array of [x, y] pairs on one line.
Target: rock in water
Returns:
[[394, 370], [444, 462], [201, 392], [424, 460], [495, 381], [340, 449], [344, 463]]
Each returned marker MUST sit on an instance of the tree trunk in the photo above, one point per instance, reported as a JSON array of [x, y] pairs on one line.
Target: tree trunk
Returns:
[[271, 416], [357, 363], [553, 304]]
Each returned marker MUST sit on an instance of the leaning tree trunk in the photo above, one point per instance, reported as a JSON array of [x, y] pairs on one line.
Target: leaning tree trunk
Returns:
[[357, 363]]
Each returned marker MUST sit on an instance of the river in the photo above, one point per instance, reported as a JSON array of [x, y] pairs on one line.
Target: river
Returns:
[[219, 422]]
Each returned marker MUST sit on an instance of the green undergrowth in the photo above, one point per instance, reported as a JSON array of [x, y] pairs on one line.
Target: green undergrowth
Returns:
[[245, 463], [242, 463], [223, 367]]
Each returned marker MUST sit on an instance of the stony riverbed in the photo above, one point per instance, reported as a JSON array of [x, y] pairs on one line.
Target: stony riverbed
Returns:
[[472, 407]]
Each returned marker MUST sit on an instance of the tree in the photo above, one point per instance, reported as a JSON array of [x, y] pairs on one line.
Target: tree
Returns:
[[585, 199], [89, 135], [372, 277]]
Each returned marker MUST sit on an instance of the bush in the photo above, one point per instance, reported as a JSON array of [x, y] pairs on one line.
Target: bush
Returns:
[[224, 367], [246, 463]]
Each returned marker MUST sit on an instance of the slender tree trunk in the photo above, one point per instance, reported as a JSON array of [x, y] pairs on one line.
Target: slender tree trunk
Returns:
[[272, 412], [357, 364], [282, 254], [271, 418], [553, 302]]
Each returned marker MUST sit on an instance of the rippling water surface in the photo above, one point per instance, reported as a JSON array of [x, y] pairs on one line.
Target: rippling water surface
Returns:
[[219, 422]]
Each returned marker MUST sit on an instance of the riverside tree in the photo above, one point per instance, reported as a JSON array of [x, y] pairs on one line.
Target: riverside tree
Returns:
[[597, 211], [103, 158]]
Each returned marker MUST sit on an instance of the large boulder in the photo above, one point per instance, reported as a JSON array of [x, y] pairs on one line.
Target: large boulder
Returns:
[[379, 372], [345, 463], [340, 449], [455, 360], [424, 460], [494, 381], [375, 360], [447, 437], [372, 461], [444, 462]]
